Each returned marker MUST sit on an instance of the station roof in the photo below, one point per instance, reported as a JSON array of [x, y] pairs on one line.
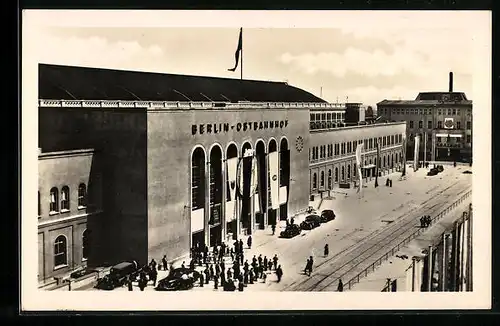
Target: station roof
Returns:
[[431, 98], [57, 82]]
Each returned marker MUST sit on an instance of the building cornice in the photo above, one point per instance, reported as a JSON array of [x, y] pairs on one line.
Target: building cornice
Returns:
[[372, 125]]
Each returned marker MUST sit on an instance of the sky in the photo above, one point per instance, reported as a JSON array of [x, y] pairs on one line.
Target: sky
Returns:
[[361, 62]]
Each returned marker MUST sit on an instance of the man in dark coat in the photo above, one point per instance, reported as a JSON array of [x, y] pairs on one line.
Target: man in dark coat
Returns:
[[154, 276], [164, 262], [240, 246], [273, 228], [340, 287], [249, 242], [202, 281], [275, 261], [265, 263], [327, 250], [279, 273]]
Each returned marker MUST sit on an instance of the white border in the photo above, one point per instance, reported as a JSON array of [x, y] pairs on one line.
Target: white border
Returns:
[[33, 299]]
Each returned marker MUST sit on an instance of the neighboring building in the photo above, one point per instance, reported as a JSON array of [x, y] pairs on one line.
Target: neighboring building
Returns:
[[442, 119], [69, 200], [183, 160]]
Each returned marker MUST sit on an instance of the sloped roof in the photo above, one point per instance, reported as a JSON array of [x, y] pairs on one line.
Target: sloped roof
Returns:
[[432, 98], [58, 82]]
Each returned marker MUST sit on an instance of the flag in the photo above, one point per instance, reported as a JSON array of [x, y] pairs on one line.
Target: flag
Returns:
[[359, 148], [238, 50], [415, 156], [273, 176]]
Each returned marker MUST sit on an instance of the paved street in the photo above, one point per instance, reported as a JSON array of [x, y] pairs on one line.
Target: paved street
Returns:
[[364, 229]]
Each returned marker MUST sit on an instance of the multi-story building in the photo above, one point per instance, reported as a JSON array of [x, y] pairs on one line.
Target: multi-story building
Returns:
[[442, 119], [181, 160]]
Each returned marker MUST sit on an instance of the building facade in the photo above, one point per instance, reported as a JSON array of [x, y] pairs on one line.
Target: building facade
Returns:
[[443, 120], [178, 161]]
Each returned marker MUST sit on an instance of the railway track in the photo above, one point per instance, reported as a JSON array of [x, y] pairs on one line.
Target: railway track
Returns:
[[351, 259]]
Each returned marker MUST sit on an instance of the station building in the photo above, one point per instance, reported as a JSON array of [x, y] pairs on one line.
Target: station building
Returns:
[[442, 119], [136, 165]]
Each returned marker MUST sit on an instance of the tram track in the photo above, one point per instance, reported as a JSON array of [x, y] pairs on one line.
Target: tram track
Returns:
[[370, 245]]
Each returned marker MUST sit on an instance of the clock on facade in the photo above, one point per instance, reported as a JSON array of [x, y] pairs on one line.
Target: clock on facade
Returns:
[[299, 143]]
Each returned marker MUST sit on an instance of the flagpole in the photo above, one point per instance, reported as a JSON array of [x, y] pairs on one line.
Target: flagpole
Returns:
[[241, 68]]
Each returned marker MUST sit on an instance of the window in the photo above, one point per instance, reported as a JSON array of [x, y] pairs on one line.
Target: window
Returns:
[[85, 244], [54, 201], [440, 124], [322, 179], [354, 170], [384, 162], [39, 206], [82, 195], [65, 198], [315, 181], [438, 139], [336, 174], [329, 179], [343, 174], [458, 111], [458, 124], [411, 124], [420, 124], [454, 111], [60, 251], [348, 172], [429, 124], [429, 138], [469, 125], [468, 139], [439, 111]]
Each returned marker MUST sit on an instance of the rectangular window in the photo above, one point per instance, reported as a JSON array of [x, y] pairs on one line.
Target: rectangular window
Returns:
[[420, 124], [454, 112], [329, 116], [313, 117], [469, 125], [439, 111], [458, 125], [468, 139], [440, 124], [429, 124], [411, 124]]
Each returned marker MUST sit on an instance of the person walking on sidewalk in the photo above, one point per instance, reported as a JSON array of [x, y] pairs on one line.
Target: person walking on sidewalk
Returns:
[[275, 261], [326, 251], [240, 246], [279, 273], [249, 242], [340, 287], [273, 228], [164, 262], [265, 263]]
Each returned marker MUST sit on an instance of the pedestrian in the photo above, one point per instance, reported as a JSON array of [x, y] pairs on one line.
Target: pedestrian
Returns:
[[260, 260], [265, 263], [326, 250], [306, 269], [212, 272], [245, 277], [241, 258], [202, 281], [251, 276], [240, 246], [216, 282], [270, 264], [292, 221], [152, 264], [264, 277], [249, 242], [422, 222], [207, 275], [246, 266], [273, 228], [142, 284], [154, 276], [340, 287], [183, 265], [390, 183], [240, 286], [129, 284], [217, 269], [279, 273], [164, 262], [275, 261]]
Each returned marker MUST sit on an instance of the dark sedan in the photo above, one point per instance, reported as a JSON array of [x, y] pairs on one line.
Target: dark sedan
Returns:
[[311, 222], [180, 279], [291, 231], [327, 215], [118, 276]]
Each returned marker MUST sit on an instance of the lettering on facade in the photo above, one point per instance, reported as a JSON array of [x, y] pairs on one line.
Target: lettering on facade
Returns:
[[217, 128]]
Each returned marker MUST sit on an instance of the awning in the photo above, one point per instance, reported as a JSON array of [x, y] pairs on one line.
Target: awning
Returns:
[[369, 166], [450, 135]]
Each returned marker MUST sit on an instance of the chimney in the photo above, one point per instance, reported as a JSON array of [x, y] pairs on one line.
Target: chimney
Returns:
[[451, 83]]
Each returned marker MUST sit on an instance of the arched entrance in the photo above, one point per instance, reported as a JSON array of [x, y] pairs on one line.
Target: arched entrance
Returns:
[[244, 185], [232, 210], [198, 197], [261, 196], [271, 213], [284, 178], [215, 196]]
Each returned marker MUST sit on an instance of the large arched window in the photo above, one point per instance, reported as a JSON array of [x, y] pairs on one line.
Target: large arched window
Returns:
[[198, 179], [322, 179], [85, 244], [65, 198], [349, 172], [354, 170], [343, 174], [384, 162], [54, 200], [82, 195], [336, 174], [315, 181], [215, 185], [329, 178], [60, 251]]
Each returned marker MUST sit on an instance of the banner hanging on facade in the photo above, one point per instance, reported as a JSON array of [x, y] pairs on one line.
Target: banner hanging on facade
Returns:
[[232, 166], [273, 177], [415, 155], [359, 163]]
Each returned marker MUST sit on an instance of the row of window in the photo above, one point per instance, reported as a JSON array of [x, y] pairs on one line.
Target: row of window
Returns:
[[439, 139], [61, 249], [333, 150], [62, 204], [422, 111], [439, 124], [387, 161], [327, 116]]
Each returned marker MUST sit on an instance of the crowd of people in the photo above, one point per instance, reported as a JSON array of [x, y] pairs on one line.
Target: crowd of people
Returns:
[[425, 221]]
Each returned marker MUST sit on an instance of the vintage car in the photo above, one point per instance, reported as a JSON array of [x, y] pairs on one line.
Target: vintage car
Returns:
[[327, 215], [311, 222], [179, 279], [291, 231], [432, 172], [118, 276]]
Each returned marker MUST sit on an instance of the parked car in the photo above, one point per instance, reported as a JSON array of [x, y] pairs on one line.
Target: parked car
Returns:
[[432, 172], [118, 276], [80, 273], [327, 215], [291, 231], [180, 279], [311, 222]]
